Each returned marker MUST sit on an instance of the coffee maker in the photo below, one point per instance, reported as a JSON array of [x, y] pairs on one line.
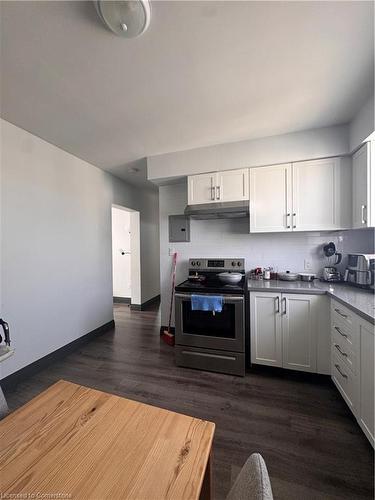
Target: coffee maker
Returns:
[[331, 273], [360, 270]]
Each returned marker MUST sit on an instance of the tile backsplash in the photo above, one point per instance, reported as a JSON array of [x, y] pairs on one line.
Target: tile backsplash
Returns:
[[282, 251]]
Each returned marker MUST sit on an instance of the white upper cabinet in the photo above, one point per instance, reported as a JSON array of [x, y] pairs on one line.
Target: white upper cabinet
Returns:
[[270, 199], [320, 195], [201, 188], [230, 185], [306, 196], [233, 185], [364, 186]]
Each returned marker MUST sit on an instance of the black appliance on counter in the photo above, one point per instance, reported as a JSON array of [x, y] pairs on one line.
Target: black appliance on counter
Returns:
[[207, 340]]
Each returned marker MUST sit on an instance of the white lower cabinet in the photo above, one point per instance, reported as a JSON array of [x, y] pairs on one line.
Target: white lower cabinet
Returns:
[[366, 379], [265, 324], [352, 364], [284, 330], [300, 326]]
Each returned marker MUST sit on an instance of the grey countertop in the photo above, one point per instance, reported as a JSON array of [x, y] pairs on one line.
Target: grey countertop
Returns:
[[357, 299]]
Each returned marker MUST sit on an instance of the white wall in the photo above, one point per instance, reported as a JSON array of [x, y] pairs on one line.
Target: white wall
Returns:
[[230, 238], [362, 125], [150, 257], [309, 144], [121, 255], [56, 265]]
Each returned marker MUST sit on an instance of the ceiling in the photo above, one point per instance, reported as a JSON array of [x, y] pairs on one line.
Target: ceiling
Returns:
[[204, 73]]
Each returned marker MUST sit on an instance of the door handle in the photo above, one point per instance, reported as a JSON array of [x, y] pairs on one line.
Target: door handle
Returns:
[[287, 222], [294, 221], [228, 299], [218, 192], [363, 220], [284, 300], [212, 193], [340, 351], [340, 313], [340, 372], [340, 332], [277, 300]]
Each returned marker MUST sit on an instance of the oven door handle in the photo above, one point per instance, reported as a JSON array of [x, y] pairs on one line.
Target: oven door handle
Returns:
[[227, 298]]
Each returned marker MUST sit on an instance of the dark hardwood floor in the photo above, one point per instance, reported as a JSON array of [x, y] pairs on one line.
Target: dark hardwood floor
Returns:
[[312, 445]]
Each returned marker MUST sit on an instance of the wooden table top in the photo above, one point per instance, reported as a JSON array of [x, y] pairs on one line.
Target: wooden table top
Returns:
[[83, 443]]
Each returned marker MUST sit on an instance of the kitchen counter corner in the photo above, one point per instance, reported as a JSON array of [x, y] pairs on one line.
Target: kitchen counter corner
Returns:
[[359, 300]]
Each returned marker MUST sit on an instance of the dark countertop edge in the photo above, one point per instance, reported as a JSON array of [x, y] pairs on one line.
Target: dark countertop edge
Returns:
[[309, 291], [350, 306]]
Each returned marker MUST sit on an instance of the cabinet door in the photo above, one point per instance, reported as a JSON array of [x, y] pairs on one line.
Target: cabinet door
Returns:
[[366, 398], [300, 328], [265, 328], [233, 185], [201, 188], [362, 183], [270, 199], [316, 186]]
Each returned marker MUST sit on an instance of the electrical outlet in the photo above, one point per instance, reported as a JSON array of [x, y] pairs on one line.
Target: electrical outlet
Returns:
[[171, 251], [308, 265]]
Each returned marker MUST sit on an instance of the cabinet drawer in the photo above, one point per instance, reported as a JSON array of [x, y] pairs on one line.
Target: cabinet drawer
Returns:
[[341, 348], [345, 381], [342, 313]]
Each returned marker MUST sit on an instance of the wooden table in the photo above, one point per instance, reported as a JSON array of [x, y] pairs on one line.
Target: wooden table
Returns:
[[83, 443]]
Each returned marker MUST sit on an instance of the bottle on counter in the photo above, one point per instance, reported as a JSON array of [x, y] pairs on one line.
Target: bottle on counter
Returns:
[[267, 273]]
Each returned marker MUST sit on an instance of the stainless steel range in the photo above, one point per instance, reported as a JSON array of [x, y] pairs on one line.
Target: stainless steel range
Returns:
[[208, 340]]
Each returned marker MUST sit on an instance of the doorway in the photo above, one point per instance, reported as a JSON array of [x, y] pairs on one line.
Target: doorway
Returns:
[[126, 267]]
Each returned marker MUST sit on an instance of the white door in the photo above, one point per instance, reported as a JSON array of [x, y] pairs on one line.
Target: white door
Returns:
[[360, 187], [366, 405], [314, 195], [299, 315], [270, 199], [121, 255], [201, 188], [233, 185], [265, 328]]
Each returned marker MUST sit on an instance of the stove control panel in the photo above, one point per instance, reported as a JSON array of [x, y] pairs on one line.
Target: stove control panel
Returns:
[[218, 265]]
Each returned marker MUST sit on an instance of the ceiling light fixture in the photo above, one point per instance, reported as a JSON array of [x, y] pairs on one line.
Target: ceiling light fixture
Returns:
[[126, 18]]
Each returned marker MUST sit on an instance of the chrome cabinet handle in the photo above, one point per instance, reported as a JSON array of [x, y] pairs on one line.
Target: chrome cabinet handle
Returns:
[[340, 351], [287, 222], [284, 300], [340, 372], [340, 332], [218, 192], [277, 299], [294, 221], [212, 193], [340, 313], [363, 220]]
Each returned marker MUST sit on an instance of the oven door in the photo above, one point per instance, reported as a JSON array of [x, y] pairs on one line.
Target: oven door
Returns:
[[223, 331]]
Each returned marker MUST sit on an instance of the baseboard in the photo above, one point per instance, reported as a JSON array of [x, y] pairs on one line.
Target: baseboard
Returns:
[[10, 382], [122, 300], [146, 305], [165, 328]]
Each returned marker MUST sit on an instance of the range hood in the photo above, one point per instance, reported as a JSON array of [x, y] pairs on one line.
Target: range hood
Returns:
[[218, 210]]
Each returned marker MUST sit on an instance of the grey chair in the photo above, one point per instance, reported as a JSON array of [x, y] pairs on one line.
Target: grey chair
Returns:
[[4, 410], [253, 482]]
